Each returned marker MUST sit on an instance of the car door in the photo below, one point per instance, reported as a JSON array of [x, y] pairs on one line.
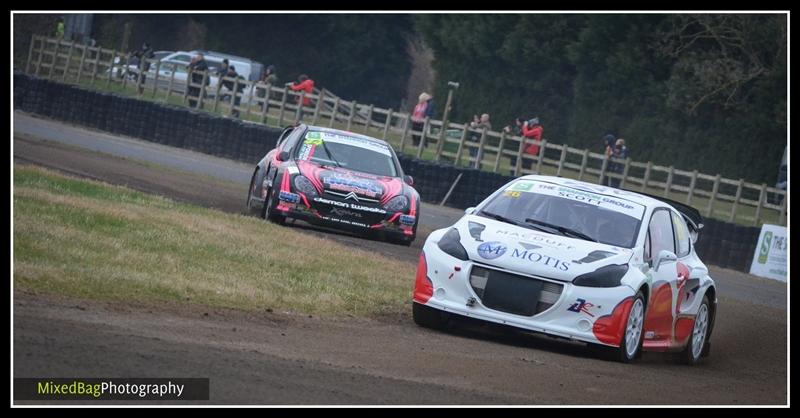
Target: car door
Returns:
[[663, 271]]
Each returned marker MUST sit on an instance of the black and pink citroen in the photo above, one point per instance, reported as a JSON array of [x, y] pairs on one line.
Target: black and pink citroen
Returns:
[[336, 178]]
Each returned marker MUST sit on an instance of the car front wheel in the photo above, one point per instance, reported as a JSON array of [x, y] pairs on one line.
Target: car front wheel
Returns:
[[268, 211], [631, 345]]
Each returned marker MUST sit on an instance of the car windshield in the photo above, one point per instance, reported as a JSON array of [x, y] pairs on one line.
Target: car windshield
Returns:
[[564, 210], [350, 152]]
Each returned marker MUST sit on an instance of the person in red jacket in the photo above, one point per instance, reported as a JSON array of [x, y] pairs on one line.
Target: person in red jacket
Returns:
[[533, 129], [305, 84]]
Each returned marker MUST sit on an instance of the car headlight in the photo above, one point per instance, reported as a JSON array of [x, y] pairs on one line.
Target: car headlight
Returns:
[[606, 276], [303, 185], [451, 244], [397, 204]]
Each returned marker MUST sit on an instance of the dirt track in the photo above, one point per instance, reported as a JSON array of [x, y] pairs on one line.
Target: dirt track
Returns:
[[275, 358]]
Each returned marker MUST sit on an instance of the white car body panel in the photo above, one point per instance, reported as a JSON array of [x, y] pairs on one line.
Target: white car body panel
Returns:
[[674, 292]]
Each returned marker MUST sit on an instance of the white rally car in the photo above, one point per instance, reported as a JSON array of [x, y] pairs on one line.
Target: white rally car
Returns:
[[574, 260]]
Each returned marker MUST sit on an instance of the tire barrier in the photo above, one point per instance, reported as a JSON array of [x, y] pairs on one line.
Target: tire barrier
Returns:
[[151, 121], [720, 243]]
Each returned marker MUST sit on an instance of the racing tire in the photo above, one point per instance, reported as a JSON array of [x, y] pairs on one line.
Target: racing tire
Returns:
[[630, 347], [268, 211], [428, 317], [698, 345], [402, 241], [249, 204]]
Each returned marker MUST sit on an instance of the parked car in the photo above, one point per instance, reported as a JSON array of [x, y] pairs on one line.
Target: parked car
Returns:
[[570, 259], [338, 179]]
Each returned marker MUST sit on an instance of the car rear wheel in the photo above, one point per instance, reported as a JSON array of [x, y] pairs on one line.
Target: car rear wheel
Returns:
[[696, 347]]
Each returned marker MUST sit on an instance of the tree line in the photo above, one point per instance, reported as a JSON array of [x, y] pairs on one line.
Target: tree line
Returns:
[[705, 92], [696, 91]]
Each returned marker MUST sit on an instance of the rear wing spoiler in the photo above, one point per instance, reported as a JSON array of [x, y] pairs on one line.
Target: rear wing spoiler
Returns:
[[692, 215]]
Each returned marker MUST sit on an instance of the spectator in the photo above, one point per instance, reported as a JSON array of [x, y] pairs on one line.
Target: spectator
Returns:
[[306, 85], [516, 129], [531, 129], [231, 85], [423, 109], [618, 156], [478, 124], [60, 28], [269, 78], [223, 69], [196, 69], [609, 141], [144, 54]]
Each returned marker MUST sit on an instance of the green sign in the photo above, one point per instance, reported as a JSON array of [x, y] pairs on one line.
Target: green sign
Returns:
[[766, 243]]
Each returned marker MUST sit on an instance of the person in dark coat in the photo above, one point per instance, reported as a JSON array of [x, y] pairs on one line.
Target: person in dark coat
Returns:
[[143, 55], [231, 85], [196, 69], [618, 157]]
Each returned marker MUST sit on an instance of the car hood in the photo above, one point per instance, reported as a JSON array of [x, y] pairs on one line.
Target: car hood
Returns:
[[343, 181], [529, 251]]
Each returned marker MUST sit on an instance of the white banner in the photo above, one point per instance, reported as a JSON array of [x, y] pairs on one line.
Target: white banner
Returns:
[[769, 259]]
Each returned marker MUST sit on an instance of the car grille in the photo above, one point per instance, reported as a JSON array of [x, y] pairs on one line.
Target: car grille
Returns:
[[513, 293]]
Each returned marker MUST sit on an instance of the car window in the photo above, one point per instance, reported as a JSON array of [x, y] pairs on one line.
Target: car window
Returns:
[[682, 239], [608, 219], [182, 57], [347, 151], [660, 230], [648, 255], [291, 140]]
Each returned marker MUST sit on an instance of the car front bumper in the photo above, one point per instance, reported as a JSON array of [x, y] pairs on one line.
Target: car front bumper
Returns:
[[594, 315]]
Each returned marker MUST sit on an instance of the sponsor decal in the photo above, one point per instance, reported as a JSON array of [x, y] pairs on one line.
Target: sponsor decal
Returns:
[[313, 138], [346, 205], [581, 305], [539, 239], [765, 246], [536, 257], [306, 151], [292, 169], [491, 250], [352, 184], [521, 186], [344, 212], [317, 137], [345, 221], [626, 207], [407, 219], [512, 194], [288, 197]]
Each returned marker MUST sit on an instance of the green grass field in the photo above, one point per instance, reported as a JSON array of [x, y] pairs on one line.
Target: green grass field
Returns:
[[91, 240]]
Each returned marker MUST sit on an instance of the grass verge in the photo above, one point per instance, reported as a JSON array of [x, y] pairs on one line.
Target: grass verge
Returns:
[[88, 239]]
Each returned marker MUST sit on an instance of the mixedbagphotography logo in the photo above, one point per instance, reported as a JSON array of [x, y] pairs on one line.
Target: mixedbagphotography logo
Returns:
[[77, 389]]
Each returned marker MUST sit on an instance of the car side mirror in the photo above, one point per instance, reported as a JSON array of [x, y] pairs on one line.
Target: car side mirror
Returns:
[[664, 257], [283, 156], [469, 211], [408, 179]]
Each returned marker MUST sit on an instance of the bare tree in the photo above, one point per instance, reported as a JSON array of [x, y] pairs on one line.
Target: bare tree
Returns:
[[717, 57]]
